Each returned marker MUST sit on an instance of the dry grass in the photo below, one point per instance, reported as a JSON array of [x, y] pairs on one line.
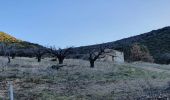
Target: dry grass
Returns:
[[77, 81]]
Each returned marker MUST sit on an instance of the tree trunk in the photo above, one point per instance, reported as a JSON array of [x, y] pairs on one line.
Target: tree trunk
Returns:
[[60, 60], [92, 64], [9, 59], [39, 59], [13, 57]]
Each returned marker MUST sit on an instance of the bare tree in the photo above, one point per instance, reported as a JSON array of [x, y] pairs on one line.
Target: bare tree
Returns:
[[12, 51], [8, 50], [93, 56], [39, 52], [60, 54]]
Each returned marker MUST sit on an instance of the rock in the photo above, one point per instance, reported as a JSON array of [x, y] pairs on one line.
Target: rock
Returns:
[[57, 67], [54, 59]]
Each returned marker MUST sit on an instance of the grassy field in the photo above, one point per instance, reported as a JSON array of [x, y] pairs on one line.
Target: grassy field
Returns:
[[77, 81]]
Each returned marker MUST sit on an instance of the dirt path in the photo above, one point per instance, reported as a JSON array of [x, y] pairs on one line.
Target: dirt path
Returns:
[[152, 67]]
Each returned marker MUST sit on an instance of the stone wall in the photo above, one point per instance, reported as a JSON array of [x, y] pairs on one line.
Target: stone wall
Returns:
[[112, 56], [119, 57]]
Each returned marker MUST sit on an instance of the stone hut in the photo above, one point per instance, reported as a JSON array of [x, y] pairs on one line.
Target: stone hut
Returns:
[[112, 56]]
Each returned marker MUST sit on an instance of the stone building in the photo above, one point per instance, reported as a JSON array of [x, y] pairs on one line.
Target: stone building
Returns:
[[112, 56]]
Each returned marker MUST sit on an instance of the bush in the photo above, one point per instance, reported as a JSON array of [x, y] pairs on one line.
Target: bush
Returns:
[[57, 67], [140, 53], [164, 58]]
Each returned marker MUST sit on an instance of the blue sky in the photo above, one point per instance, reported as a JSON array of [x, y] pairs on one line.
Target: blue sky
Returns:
[[81, 22]]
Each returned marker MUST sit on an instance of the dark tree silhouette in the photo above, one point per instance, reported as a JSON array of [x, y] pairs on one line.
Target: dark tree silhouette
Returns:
[[93, 56], [39, 52], [8, 50], [13, 55], [12, 51], [60, 54]]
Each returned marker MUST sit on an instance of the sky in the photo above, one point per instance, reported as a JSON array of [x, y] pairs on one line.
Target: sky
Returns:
[[66, 23]]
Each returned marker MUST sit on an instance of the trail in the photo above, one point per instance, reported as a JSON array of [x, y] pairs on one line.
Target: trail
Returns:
[[152, 67]]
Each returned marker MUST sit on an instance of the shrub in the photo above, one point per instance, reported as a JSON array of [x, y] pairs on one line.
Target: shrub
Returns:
[[164, 58], [140, 53]]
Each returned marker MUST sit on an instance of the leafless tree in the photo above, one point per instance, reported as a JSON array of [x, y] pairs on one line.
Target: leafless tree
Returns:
[[94, 55], [12, 51], [60, 54], [39, 52], [8, 50]]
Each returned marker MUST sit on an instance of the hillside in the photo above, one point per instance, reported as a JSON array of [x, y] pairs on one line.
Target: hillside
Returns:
[[4, 37], [23, 47], [157, 41]]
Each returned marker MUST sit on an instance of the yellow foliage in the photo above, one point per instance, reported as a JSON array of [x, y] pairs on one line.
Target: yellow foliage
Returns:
[[4, 37]]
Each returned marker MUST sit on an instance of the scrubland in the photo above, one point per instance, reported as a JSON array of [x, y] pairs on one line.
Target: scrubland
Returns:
[[34, 80]]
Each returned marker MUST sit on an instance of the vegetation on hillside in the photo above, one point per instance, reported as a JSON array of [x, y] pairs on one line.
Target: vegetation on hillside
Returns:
[[4, 37], [157, 42], [22, 48], [74, 79]]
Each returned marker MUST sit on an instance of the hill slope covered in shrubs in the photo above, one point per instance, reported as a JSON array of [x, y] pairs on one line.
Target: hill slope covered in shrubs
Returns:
[[4, 37], [157, 41]]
